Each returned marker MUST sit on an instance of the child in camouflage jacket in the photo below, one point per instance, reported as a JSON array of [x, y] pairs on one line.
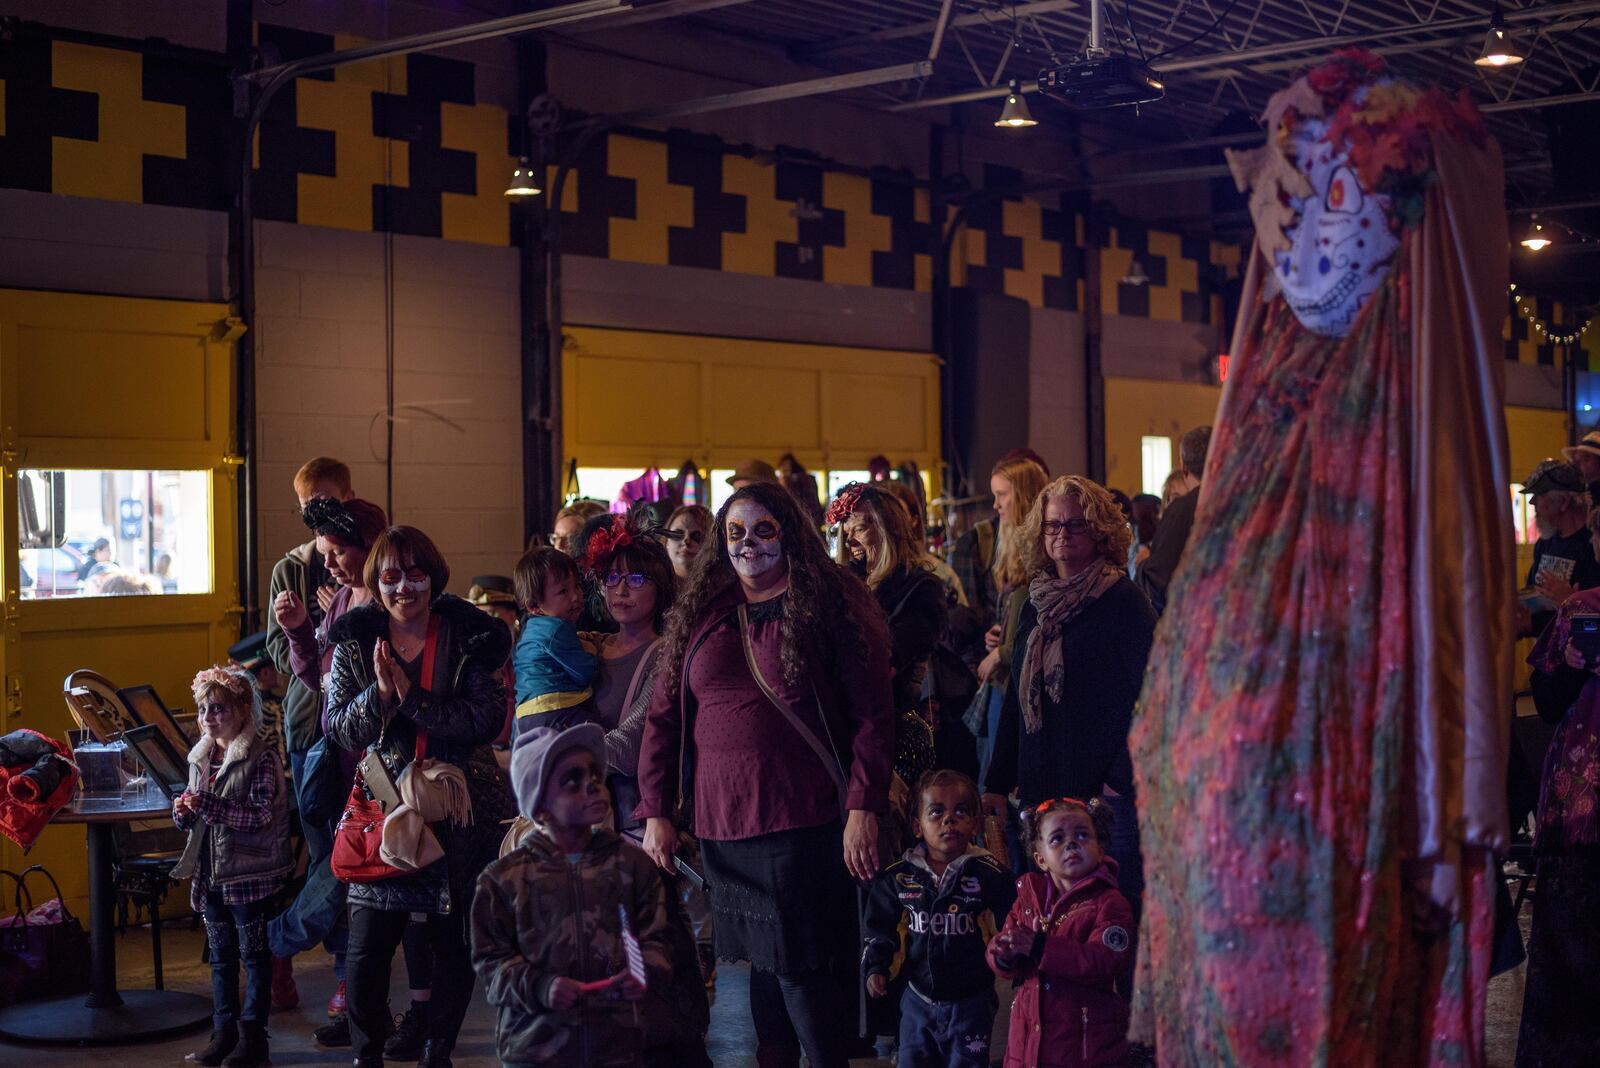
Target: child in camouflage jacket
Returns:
[[541, 969]]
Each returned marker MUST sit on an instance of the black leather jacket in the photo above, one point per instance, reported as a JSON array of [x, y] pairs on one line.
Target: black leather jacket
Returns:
[[464, 711]]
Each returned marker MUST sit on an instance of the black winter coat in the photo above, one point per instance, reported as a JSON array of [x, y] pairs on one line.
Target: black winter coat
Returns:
[[463, 713], [913, 601], [1082, 744]]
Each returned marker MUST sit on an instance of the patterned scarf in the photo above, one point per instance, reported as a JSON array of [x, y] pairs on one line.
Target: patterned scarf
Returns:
[[1057, 602]]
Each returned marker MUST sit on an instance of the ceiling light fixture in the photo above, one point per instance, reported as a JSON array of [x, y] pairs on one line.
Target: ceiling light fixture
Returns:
[[1015, 114], [1498, 51], [1135, 275], [523, 183], [1536, 238]]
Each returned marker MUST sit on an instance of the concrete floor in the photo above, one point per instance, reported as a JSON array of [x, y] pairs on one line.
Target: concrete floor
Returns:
[[731, 1040]]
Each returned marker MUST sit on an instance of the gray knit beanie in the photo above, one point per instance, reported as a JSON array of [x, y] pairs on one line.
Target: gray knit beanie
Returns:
[[536, 754]]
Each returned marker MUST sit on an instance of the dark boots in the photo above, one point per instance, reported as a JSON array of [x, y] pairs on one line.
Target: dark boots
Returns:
[[435, 1054], [410, 1031], [223, 1038], [251, 1051]]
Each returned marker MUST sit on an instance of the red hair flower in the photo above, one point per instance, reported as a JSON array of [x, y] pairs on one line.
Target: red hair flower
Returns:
[[604, 544]]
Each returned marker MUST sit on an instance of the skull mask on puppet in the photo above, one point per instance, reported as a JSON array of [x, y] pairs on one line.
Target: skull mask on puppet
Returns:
[[755, 540], [1342, 247]]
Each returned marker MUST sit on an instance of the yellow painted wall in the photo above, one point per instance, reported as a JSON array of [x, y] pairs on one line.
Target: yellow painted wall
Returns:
[[1137, 407], [106, 382], [631, 398]]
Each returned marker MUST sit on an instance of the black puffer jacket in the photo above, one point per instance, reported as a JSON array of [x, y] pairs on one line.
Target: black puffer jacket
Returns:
[[462, 713]]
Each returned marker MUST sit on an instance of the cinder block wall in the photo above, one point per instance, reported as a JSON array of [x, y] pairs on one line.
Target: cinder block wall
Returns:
[[328, 303]]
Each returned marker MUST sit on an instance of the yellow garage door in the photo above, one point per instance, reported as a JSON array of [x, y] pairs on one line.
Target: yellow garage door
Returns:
[[118, 515], [633, 399]]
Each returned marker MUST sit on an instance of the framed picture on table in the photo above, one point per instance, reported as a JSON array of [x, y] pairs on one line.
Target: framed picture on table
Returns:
[[168, 769], [147, 707]]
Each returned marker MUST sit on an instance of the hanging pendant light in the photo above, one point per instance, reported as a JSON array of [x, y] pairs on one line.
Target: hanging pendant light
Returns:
[[1015, 114], [1536, 238], [1498, 51], [523, 183], [1136, 275]]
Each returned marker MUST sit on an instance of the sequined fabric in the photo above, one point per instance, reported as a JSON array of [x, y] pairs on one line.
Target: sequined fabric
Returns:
[[1270, 747]]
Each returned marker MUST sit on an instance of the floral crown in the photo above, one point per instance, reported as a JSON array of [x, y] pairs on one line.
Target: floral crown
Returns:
[[236, 681]]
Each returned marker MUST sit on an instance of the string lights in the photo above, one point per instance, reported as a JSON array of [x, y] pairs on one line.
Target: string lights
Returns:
[[1543, 329]]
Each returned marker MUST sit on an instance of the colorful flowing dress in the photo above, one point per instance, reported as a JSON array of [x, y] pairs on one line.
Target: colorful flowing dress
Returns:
[[1319, 748]]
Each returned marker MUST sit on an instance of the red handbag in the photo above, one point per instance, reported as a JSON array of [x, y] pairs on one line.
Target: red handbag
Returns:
[[359, 833]]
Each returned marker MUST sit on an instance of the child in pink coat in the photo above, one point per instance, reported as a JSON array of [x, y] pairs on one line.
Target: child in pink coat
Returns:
[[1067, 939]]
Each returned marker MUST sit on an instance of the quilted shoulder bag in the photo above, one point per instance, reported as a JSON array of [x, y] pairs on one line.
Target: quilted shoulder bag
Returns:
[[359, 834]]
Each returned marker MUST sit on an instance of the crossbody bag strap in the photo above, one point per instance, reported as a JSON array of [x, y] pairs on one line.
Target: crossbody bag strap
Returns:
[[640, 670], [830, 760], [430, 650]]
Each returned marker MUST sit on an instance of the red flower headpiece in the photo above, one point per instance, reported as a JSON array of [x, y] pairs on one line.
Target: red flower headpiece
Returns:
[[604, 544], [844, 506]]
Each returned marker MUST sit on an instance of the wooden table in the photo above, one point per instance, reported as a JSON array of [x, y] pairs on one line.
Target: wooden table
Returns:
[[107, 1015]]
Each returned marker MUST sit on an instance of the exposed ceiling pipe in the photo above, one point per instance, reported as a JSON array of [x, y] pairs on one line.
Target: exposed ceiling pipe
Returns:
[[860, 41], [833, 83], [615, 12], [939, 28]]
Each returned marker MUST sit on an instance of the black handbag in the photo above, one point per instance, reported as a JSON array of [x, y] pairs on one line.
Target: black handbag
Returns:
[[43, 956], [321, 789]]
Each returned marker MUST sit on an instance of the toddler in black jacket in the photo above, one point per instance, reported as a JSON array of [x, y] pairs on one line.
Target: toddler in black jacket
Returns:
[[930, 916]]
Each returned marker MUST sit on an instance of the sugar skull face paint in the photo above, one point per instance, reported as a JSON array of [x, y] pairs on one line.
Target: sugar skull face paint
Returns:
[[1343, 245], [755, 541], [402, 587]]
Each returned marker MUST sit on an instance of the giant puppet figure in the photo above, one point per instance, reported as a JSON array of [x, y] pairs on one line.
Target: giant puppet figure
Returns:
[[1320, 744]]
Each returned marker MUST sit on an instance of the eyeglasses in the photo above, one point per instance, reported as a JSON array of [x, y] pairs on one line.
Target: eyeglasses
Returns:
[[634, 580], [1051, 527]]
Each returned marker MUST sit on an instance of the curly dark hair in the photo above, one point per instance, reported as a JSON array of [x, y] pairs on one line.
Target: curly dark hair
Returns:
[[827, 612]]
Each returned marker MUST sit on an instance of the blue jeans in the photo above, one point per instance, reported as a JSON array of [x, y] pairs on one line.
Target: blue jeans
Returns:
[[945, 1034], [317, 915], [237, 933], [992, 728]]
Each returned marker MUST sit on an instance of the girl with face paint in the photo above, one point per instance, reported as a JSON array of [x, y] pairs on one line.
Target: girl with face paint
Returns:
[[417, 672], [765, 806]]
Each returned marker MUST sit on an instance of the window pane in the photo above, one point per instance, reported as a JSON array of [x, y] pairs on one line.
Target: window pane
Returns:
[[113, 533], [1522, 516], [1155, 463]]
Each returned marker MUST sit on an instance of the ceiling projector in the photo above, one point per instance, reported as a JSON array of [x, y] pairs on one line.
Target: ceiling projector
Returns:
[[1102, 82]]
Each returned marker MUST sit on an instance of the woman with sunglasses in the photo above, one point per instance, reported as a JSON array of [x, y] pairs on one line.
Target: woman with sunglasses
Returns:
[[685, 536], [1083, 637]]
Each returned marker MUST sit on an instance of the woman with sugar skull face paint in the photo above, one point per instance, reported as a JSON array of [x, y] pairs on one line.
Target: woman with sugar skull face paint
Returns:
[[416, 671], [757, 762]]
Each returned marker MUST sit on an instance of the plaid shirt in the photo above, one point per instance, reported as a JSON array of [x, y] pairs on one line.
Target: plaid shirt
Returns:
[[976, 579], [252, 814]]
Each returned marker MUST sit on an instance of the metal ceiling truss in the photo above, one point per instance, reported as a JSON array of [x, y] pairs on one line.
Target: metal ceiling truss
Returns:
[[1241, 52]]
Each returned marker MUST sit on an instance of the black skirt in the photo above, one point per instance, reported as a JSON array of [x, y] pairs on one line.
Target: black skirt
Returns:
[[1559, 1025], [784, 901]]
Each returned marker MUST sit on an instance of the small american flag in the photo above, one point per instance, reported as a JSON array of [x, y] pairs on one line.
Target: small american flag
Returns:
[[630, 946]]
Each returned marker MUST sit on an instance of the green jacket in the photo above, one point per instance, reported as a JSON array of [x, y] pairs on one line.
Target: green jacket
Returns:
[[536, 916], [299, 569]]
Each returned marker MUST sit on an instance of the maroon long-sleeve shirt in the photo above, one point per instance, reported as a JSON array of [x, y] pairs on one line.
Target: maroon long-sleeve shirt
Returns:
[[753, 773]]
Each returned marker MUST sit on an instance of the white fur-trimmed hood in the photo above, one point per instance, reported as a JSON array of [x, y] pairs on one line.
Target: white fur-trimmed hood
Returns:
[[238, 749]]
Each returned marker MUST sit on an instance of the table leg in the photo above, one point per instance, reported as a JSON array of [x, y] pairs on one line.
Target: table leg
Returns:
[[102, 923]]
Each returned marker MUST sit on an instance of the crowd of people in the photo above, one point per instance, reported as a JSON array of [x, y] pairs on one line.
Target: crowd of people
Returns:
[[879, 776]]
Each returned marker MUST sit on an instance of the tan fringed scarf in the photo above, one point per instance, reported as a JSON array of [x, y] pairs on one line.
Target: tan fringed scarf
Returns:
[[1056, 601]]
